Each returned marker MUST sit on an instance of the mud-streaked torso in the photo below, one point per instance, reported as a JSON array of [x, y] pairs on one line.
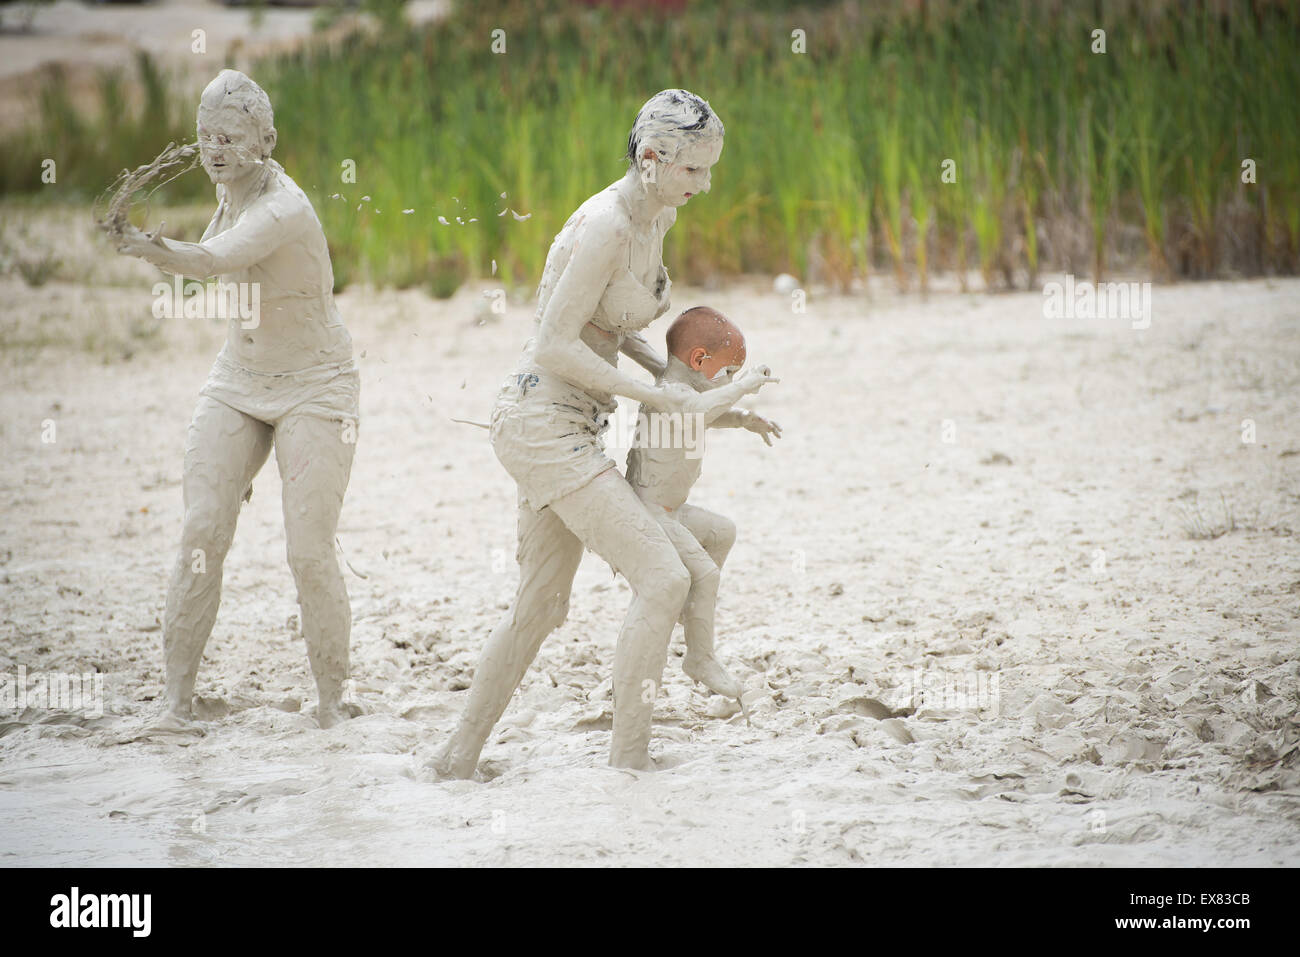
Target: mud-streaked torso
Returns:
[[299, 325]]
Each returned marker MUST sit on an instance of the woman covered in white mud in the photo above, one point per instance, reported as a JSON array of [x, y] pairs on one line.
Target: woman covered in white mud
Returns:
[[603, 282], [286, 378]]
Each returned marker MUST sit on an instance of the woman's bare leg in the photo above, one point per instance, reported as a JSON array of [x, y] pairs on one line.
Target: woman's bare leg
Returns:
[[606, 516], [548, 555], [610, 520], [315, 461], [223, 451]]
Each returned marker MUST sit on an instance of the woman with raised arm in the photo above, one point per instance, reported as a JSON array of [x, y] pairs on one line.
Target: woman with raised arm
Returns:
[[285, 377]]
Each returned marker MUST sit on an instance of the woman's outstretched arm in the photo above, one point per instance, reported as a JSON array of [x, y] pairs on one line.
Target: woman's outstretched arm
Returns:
[[268, 224]]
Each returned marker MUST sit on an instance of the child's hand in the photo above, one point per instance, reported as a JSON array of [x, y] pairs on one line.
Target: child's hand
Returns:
[[760, 426], [751, 380]]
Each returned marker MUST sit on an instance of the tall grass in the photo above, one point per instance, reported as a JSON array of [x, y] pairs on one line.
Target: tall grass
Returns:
[[833, 157]]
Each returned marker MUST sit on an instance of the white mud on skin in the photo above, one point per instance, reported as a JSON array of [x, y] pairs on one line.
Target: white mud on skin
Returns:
[[1148, 707]]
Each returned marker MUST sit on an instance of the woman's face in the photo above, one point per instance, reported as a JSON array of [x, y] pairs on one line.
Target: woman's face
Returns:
[[228, 144], [688, 174]]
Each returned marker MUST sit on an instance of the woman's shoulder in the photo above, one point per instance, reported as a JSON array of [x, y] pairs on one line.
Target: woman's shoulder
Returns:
[[603, 216], [285, 200]]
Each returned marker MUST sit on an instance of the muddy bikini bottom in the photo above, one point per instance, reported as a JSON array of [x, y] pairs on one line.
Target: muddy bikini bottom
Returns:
[[547, 434], [329, 391]]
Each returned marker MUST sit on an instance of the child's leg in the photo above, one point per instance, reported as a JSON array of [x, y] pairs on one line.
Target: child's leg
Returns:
[[715, 532], [697, 615]]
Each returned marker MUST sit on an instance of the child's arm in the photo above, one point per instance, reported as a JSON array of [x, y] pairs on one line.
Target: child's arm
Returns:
[[720, 400], [731, 419]]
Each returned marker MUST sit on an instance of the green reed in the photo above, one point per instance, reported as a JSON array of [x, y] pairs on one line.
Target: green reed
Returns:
[[833, 157]]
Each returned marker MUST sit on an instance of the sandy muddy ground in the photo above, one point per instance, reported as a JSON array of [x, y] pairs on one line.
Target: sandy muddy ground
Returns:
[[1073, 678]]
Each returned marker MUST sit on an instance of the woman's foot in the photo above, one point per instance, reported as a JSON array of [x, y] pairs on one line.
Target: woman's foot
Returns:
[[452, 765], [172, 723], [328, 715], [633, 762]]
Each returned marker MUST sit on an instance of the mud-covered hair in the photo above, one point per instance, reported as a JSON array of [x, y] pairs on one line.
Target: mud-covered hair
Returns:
[[232, 89], [669, 121]]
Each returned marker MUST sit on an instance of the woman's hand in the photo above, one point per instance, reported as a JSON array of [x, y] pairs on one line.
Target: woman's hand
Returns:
[[678, 397], [132, 241]]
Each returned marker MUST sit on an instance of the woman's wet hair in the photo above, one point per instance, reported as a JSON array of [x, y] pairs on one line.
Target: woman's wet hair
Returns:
[[669, 121]]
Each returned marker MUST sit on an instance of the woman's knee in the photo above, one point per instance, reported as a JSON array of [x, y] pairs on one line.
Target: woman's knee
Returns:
[[554, 611], [309, 533], [208, 530], [312, 557], [662, 576]]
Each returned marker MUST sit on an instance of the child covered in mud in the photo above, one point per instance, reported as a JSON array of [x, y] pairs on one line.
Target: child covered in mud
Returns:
[[705, 350]]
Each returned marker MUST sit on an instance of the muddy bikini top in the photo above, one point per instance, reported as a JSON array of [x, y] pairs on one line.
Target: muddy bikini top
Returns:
[[625, 305]]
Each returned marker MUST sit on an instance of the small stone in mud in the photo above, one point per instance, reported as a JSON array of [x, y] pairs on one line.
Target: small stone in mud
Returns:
[[870, 707], [595, 719], [720, 707], [897, 730], [206, 708], [1256, 692], [1048, 712]]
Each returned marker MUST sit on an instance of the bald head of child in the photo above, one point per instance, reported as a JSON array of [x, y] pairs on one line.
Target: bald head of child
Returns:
[[706, 341]]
